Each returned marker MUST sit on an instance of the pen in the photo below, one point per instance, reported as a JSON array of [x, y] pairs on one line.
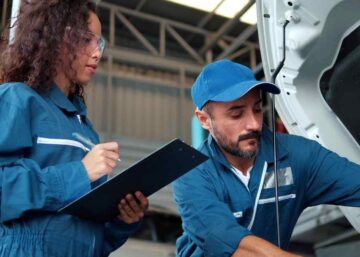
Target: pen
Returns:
[[86, 141]]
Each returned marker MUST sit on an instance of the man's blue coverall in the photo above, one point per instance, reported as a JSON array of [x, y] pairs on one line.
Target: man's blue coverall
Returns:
[[218, 210]]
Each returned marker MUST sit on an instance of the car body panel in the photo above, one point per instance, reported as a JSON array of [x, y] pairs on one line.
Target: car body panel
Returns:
[[313, 39]]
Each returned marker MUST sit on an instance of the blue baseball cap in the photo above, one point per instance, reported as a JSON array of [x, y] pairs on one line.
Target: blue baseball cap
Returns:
[[226, 81]]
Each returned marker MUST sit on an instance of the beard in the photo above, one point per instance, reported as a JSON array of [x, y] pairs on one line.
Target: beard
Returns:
[[234, 148]]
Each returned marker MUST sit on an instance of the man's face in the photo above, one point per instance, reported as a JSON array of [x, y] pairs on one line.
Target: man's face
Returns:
[[236, 126]]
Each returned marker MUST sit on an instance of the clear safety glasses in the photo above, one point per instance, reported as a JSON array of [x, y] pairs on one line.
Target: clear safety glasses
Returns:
[[94, 42]]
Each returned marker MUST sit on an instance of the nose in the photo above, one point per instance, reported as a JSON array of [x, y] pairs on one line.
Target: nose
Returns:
[[96, 54], [254, 121]]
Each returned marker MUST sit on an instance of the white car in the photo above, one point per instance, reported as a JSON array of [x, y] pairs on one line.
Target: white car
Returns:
[[320, 79]]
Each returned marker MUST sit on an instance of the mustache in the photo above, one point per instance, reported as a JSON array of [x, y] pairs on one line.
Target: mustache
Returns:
[[252, 134]]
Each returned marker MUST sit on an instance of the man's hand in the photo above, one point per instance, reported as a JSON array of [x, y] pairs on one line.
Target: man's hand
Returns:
[[131, 209]]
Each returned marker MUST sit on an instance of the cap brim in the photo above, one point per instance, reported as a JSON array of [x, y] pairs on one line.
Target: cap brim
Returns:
[[241, 89]]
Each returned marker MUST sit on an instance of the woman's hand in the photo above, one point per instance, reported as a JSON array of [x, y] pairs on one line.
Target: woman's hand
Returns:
[[132, 210], [101, 160]]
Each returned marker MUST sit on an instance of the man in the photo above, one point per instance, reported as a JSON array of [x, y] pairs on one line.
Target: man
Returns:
[[227, 204]]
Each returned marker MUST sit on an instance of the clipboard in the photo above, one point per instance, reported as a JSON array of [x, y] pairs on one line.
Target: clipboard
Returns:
[[147, 175]]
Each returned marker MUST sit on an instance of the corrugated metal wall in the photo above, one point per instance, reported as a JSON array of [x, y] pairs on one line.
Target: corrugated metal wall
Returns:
[[140, 107]]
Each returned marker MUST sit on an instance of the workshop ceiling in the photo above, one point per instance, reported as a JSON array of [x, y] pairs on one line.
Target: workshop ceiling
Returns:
[[191, 34]]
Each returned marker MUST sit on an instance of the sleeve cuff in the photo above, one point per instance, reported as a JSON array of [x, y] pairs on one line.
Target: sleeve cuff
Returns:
[[116, 234]]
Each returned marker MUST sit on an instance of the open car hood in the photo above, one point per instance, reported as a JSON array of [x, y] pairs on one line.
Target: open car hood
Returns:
[[320, 80]]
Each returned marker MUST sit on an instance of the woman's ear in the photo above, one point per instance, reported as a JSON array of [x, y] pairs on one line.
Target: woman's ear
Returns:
[[203, 118]]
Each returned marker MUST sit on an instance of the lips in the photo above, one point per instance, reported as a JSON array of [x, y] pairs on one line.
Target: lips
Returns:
[[92, 67], [250, 138]]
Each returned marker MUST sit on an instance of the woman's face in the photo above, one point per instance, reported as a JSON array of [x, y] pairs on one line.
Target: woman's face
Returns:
[[90, 51]]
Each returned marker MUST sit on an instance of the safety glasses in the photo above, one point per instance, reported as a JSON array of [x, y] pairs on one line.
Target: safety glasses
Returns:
[[94, 42]]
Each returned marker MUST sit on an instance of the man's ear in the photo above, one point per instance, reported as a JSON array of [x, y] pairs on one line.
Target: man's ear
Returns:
[[203, 118]]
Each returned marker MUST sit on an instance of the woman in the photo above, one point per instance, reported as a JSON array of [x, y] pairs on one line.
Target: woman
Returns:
[[54, 54]]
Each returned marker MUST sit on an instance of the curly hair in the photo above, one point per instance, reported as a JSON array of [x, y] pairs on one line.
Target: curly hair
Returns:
[[33, 54]]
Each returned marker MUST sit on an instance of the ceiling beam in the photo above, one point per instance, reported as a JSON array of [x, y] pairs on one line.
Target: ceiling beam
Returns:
[[240, 40], [206, 19], [239, 53], [259, 67], [226, 28], [184, 44], [131, 56], [154, 18], [140, 5], [137, 33], [4, 14]]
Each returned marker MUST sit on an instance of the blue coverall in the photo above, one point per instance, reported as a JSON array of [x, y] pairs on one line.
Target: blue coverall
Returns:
[[218, 210], [41, 171]]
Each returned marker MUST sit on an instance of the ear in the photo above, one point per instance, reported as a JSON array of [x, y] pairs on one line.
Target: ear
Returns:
[[203, 118]]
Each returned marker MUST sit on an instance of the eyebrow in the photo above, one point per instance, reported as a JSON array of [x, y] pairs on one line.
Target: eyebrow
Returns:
[[235, 107], [93, 33], [258, 101]]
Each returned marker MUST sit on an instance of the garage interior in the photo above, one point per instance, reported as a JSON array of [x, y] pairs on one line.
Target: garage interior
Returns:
[[140, 97]]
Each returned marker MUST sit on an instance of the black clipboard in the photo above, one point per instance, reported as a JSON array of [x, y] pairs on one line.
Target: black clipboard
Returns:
[[147, 175]]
